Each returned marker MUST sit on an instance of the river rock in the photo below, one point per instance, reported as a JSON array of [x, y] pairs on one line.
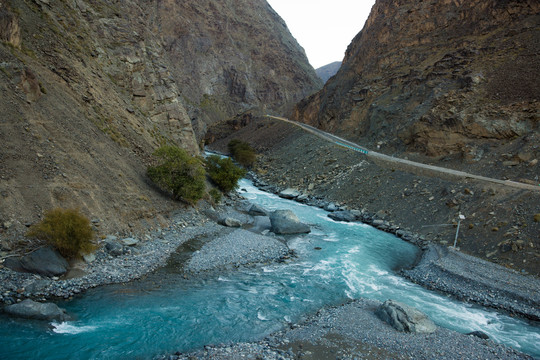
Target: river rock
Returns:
[[285, 222], [45, 261], [34, 310], [261, 224], [129, 241], [230, 222], [114, 248], [290, 193], [331, 207], [88, 258], [342, 215], [256, 210], [480, 334], [405, 318]]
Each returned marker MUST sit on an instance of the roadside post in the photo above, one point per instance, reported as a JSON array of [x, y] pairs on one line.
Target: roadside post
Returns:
[[461, 217]]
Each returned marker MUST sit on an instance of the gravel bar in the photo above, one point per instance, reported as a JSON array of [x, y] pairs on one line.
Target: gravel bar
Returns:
[[241, 247], [353, 331], [472, 279], [146, 257]]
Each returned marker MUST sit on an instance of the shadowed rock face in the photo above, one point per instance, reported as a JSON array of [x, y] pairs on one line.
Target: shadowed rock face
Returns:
[[436, 77], [230, 56], [9, 26], [89, 89]]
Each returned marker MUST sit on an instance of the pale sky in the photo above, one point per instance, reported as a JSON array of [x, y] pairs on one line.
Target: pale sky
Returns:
[[324, 28]]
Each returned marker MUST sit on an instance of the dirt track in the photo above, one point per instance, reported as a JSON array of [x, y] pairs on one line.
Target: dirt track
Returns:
[[403, 164]]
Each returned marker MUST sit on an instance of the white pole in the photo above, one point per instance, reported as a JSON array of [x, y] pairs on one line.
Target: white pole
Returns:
[[461, 217], [457, 231]]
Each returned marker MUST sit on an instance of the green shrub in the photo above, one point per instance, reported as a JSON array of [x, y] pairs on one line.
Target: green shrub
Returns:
[[223, 172], [67, 230], [216, 195], [179, 173], [242, 152]]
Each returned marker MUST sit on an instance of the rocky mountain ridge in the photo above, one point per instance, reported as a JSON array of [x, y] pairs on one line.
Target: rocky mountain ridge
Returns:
[[327, 71], [447, 79], [89, 88]]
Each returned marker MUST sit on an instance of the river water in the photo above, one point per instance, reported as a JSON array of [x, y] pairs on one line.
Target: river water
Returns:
[[165, 313]]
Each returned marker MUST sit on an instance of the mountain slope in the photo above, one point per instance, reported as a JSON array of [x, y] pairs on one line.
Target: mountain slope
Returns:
[[453, 79], [240, 55], [327, 71], [89, 88]]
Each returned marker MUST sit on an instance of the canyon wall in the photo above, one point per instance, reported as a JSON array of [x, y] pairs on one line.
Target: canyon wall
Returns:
[[440, 78], [90, 88]]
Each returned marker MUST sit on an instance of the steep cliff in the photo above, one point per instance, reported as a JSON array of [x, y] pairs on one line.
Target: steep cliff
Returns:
[[231, 56], [89, 88], [450, 78]]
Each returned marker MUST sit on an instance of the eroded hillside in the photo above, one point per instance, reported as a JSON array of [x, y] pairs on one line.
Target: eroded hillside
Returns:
[[453, 80], [90, 88]]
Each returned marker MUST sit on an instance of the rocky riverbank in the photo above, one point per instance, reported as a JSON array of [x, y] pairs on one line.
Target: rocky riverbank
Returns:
[[237, 248], [353, 331], [501, 224], [441, 268], [108, 267], [123, 260], [348, 331], [473, 280]]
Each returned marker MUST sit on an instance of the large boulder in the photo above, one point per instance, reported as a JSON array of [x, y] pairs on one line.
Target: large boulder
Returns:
[[256, 210], [342, 215], [35, 310], [285, 222], [405, 318], [113, 247], [290, 193], [230, 222], [45, 261], [261, 224]]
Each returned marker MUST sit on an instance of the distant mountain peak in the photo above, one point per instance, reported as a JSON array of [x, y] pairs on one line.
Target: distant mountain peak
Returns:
[[327, 71]]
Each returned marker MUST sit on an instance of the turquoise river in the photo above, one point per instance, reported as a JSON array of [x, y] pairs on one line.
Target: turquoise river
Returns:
[[165, 313]]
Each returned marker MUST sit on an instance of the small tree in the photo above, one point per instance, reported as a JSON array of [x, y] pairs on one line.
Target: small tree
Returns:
[[67, 230], [224, 173], [178, 172], [242, 152]]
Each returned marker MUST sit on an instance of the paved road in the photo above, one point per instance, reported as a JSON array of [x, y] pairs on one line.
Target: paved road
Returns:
[[402, 163]]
